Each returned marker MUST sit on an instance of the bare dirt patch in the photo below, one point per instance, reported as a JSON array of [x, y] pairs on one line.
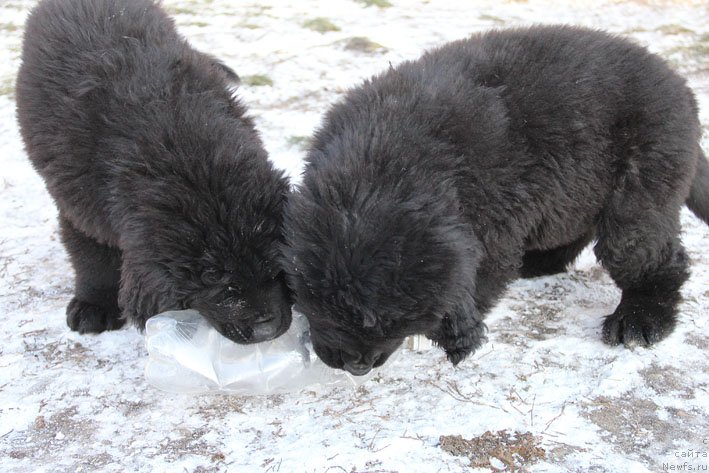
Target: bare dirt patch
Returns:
[[499, 450]]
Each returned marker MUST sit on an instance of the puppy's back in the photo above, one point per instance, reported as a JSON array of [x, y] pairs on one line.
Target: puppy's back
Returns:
[[77, 26], [110, 98], [70, 46], [554, 74]]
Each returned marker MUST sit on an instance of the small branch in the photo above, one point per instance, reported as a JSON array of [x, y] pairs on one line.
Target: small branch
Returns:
[[563, 406]]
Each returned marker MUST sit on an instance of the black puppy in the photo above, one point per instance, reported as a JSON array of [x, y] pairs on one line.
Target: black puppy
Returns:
[[166, 197], [433, 185]]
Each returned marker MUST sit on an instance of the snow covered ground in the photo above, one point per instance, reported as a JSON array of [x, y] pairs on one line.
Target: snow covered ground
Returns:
[[81, 403]]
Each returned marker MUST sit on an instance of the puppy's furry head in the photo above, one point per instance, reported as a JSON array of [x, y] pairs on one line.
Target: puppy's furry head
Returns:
[[370, 266], [144, 147], [206, 235]]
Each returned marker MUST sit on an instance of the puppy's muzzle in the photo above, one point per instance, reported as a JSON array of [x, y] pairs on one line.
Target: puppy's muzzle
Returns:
[[359, 364], [269, 326]]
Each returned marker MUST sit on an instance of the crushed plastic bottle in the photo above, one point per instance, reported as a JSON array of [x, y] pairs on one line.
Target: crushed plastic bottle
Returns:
[[187, 355]]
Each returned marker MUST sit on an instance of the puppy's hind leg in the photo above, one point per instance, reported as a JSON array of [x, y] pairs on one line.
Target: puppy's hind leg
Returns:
[[546, 262], [645, 258], [94, 307]]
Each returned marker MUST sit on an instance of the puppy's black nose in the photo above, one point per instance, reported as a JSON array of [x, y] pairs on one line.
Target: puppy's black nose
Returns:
[[359, 364], [263, 318], [273, 314], [267, 327], [357, 369]]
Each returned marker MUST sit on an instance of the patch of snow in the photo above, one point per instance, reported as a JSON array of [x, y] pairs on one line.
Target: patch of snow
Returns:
[[80, 403]]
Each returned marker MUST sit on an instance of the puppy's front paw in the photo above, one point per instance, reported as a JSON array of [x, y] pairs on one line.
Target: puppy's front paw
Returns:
[[633, 326], [458, 339], [84, 317], [457, 355], [465, 344]]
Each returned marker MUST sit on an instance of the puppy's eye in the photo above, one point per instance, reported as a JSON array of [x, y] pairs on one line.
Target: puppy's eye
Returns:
[[211, 277], [272, 274]]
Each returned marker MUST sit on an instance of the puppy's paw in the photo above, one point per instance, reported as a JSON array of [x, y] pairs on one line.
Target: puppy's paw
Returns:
[[455, 356], [458, 339], [638, 326], [465, 344], [84, 317]]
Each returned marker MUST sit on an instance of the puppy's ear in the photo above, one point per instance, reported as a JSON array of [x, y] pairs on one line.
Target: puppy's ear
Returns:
[[461, 331], [369, 320], [219, 65]]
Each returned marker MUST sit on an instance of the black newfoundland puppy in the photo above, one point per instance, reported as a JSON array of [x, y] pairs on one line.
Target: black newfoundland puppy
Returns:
[[433, 185], [166, 197]]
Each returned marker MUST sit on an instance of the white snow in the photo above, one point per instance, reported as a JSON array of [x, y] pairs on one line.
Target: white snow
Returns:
[[80, 403]]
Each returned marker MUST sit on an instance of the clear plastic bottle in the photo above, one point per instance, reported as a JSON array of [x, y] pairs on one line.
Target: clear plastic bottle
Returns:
[[187, 355]]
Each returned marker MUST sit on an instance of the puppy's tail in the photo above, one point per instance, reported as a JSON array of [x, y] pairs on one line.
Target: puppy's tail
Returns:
[[698, 200]]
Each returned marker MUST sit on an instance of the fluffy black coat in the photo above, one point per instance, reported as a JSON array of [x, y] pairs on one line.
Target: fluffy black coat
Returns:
[[166, 197], [433, 185]]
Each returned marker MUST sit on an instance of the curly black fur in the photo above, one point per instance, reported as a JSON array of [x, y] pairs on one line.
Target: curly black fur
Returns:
[[433, 185], [166, 197]]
